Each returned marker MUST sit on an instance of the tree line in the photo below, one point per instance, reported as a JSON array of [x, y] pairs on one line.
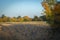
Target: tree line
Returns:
[[4, 18]]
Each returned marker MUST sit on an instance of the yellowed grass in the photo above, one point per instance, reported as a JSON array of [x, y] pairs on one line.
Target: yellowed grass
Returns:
[[38, 23], [6, 24]]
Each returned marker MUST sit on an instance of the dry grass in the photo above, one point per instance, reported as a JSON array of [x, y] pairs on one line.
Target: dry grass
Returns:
[[25, 31], [38, 23]]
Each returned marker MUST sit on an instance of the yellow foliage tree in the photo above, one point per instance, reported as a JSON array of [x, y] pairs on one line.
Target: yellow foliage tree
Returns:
[[26, 18], [20, 19], [0, 19], [13, 19]]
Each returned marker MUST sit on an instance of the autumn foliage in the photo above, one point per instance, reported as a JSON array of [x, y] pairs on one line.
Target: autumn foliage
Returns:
[[4, 18]]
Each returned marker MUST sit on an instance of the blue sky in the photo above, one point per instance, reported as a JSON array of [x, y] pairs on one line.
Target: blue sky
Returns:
[[22, 8]]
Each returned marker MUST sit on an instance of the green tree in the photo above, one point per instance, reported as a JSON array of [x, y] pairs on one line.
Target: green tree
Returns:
[[3, 16], [43, 18], [18, 17], [35, 18]]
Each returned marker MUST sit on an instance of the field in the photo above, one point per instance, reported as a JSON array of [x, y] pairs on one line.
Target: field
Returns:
[[25, 31]]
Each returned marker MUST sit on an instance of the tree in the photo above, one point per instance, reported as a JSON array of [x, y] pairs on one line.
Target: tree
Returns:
[[35, 18], [3, 16], [18, 17], [57, 13], [43, 18], [1, 20], [26, 18], [13, 19], [48, 6]]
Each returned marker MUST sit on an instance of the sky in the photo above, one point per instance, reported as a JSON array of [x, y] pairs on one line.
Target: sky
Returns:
[[22, 8]]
